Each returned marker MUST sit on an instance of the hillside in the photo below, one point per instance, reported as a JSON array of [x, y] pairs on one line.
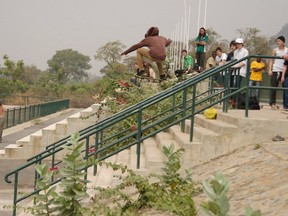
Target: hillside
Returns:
[[284, 31]]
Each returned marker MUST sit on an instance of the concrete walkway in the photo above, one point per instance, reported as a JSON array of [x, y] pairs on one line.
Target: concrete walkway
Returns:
[[258, 178], [10, 136]]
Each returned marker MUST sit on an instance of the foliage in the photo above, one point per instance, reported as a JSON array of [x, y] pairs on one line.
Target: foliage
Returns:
[[218, 202], [68, 200], [167, 192], [110, 53], [6, 86], [216, 190], [255, 42], [12, 69], [251, 212], [30, 74], [68, 64]]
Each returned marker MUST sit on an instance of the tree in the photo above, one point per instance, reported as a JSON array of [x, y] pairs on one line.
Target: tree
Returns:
[[255, 42], [31, 74], [68, 65], [111, 54], [12, 70]]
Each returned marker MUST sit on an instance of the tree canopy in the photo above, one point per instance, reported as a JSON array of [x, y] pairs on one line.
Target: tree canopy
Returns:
[[68, 65]]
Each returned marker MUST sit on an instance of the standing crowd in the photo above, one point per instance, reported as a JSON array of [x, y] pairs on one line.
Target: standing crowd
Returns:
[[156, 52]]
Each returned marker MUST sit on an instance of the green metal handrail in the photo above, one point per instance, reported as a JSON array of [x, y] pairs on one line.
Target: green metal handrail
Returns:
[[18, 115], [183, 101]]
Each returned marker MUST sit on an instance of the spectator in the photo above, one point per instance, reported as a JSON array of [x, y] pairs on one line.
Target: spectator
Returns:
[[284, 81], [276, 68], [200, 42], [220, 60], [187, 64], [240, 53], [2, 118], [230, 55], [257, 68], [220, 57], [211, 61], [156, 52]]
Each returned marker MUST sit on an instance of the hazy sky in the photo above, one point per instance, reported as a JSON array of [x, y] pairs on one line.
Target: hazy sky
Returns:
[[33, 30]]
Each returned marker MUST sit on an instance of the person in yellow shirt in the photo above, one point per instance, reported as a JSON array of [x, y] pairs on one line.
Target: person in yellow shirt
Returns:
[[257, 68]]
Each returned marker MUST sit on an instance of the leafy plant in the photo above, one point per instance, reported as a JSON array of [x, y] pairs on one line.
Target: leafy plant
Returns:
[[216, 190], [68, 201], [218, 202], [252, 212], [165, 192]]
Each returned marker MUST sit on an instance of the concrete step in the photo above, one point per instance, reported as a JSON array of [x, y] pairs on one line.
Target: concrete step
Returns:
[[216, 126], [191, 156], [166, 139], [61, 127], [153, 155]]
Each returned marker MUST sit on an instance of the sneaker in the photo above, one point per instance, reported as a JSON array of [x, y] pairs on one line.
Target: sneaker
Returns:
[[163, 77], [140, 72], [273, 107]]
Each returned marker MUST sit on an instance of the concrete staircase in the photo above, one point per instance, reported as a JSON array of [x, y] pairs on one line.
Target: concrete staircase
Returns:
[[212, 139], [36, 142]]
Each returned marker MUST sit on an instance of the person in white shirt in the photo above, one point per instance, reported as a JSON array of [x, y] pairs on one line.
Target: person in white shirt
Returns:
[[240, 53], [276, 67], [220, 60]]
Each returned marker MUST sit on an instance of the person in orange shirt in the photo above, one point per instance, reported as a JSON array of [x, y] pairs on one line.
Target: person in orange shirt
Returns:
[[257, 68], [2, 117]]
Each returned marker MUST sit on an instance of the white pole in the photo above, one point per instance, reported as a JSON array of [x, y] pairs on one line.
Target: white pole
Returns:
[[205, 13], [178, 45], [188, 30], [185, 25], [199, 8], [181, 41]]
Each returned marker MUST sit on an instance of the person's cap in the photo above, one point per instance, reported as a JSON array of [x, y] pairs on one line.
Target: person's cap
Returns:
[[282, 38], [239, 41]]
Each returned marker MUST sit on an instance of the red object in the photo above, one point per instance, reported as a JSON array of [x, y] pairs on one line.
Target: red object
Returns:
[[53, 169], [121, 100], [90, 150], [133, 128]]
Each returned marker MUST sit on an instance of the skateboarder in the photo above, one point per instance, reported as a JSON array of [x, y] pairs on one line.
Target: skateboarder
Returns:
[[156, 51]]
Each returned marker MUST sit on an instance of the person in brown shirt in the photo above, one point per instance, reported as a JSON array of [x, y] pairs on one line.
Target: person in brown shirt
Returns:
[[2, 116], [156, 51]]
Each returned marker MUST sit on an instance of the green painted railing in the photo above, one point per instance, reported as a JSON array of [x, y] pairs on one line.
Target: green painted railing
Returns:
[[18, 115], [112, 135]]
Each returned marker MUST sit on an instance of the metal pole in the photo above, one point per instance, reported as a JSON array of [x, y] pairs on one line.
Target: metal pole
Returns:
[[199, 8], [205, 13]]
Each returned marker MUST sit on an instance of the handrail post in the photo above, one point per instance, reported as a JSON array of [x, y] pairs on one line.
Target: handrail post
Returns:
[[247, 87], [96, 154], [53, 161], [192, 113], [227, 78], [184, 105], [86, 158], [139, 134], [14, 115], [15, 193]]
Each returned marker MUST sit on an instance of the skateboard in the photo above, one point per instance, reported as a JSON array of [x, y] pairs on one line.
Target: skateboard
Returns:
[[150, 79]]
